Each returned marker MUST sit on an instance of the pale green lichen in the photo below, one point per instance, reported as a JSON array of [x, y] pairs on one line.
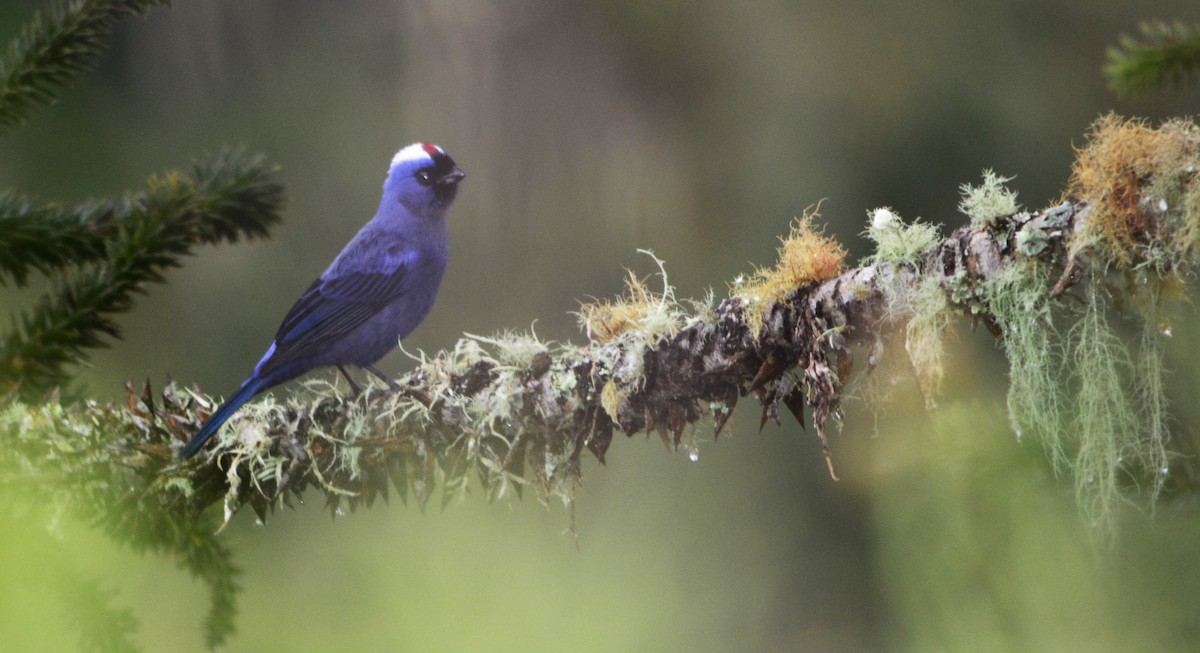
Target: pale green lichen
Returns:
[[896, 242], [991, 200], [1106, 419], [925, 334], [1072, 390], [703, 313], [924, 309], [1031, 239], [922, 305], [1151, 399], [1018, 300], [181, 485]]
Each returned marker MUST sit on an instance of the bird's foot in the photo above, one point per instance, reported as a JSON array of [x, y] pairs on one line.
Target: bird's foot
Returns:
[[412, 393]]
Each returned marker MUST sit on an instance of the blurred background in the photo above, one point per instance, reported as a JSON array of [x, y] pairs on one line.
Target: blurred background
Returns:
[[588, 130]]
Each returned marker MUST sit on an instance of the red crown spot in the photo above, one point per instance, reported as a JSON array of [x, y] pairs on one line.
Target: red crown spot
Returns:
[[431, 149]]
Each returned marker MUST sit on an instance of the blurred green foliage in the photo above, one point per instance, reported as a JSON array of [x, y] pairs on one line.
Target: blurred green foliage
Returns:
[[978, 553]]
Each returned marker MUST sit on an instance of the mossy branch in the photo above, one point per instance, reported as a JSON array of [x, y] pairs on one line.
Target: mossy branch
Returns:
[[54, 48], [517, 412], [104, 252]]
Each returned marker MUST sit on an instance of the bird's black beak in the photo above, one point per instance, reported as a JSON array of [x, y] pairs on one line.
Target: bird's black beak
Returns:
[[453, 177]]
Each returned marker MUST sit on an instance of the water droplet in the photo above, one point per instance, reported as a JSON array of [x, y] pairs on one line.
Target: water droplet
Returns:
[[1165, 470], [693, 454], [1166, 331], [1019, 434], [259, 522]]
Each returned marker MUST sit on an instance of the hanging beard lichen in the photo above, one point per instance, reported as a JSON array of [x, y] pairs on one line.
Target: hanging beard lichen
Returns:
[[1018, 299]]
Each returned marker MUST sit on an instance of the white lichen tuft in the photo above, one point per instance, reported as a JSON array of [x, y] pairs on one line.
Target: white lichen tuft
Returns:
[[512, 349]]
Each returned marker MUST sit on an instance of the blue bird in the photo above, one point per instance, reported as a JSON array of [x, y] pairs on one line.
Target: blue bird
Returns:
[[373, 294]]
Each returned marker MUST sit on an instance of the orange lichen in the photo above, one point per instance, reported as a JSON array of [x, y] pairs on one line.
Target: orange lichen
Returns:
[[604, 321], [807, 256], [1144, 190], [640, 312]]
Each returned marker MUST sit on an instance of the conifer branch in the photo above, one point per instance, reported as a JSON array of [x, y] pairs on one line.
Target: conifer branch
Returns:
[[54, 48], [1162, 52], [111, 250], [47, 237]]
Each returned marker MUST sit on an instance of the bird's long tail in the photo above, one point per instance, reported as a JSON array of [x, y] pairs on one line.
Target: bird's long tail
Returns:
[[250, 388]]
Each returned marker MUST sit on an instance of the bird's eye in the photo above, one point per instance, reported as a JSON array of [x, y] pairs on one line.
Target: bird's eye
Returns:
[[424, 178]]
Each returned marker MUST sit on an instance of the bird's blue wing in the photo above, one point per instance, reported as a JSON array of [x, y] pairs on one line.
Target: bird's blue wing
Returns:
[[334, 307]]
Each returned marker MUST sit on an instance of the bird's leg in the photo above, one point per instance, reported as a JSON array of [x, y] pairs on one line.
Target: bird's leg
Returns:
[[392, 385], [353, 386], [396, 387]]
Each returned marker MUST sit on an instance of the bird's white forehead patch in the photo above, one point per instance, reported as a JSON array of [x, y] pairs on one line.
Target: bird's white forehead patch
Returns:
[[416, 152]]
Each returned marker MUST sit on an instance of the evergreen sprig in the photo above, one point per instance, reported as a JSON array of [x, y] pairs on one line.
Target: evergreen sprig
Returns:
[[47, 237], [54, 48], [1161, 52], [111, 249]]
